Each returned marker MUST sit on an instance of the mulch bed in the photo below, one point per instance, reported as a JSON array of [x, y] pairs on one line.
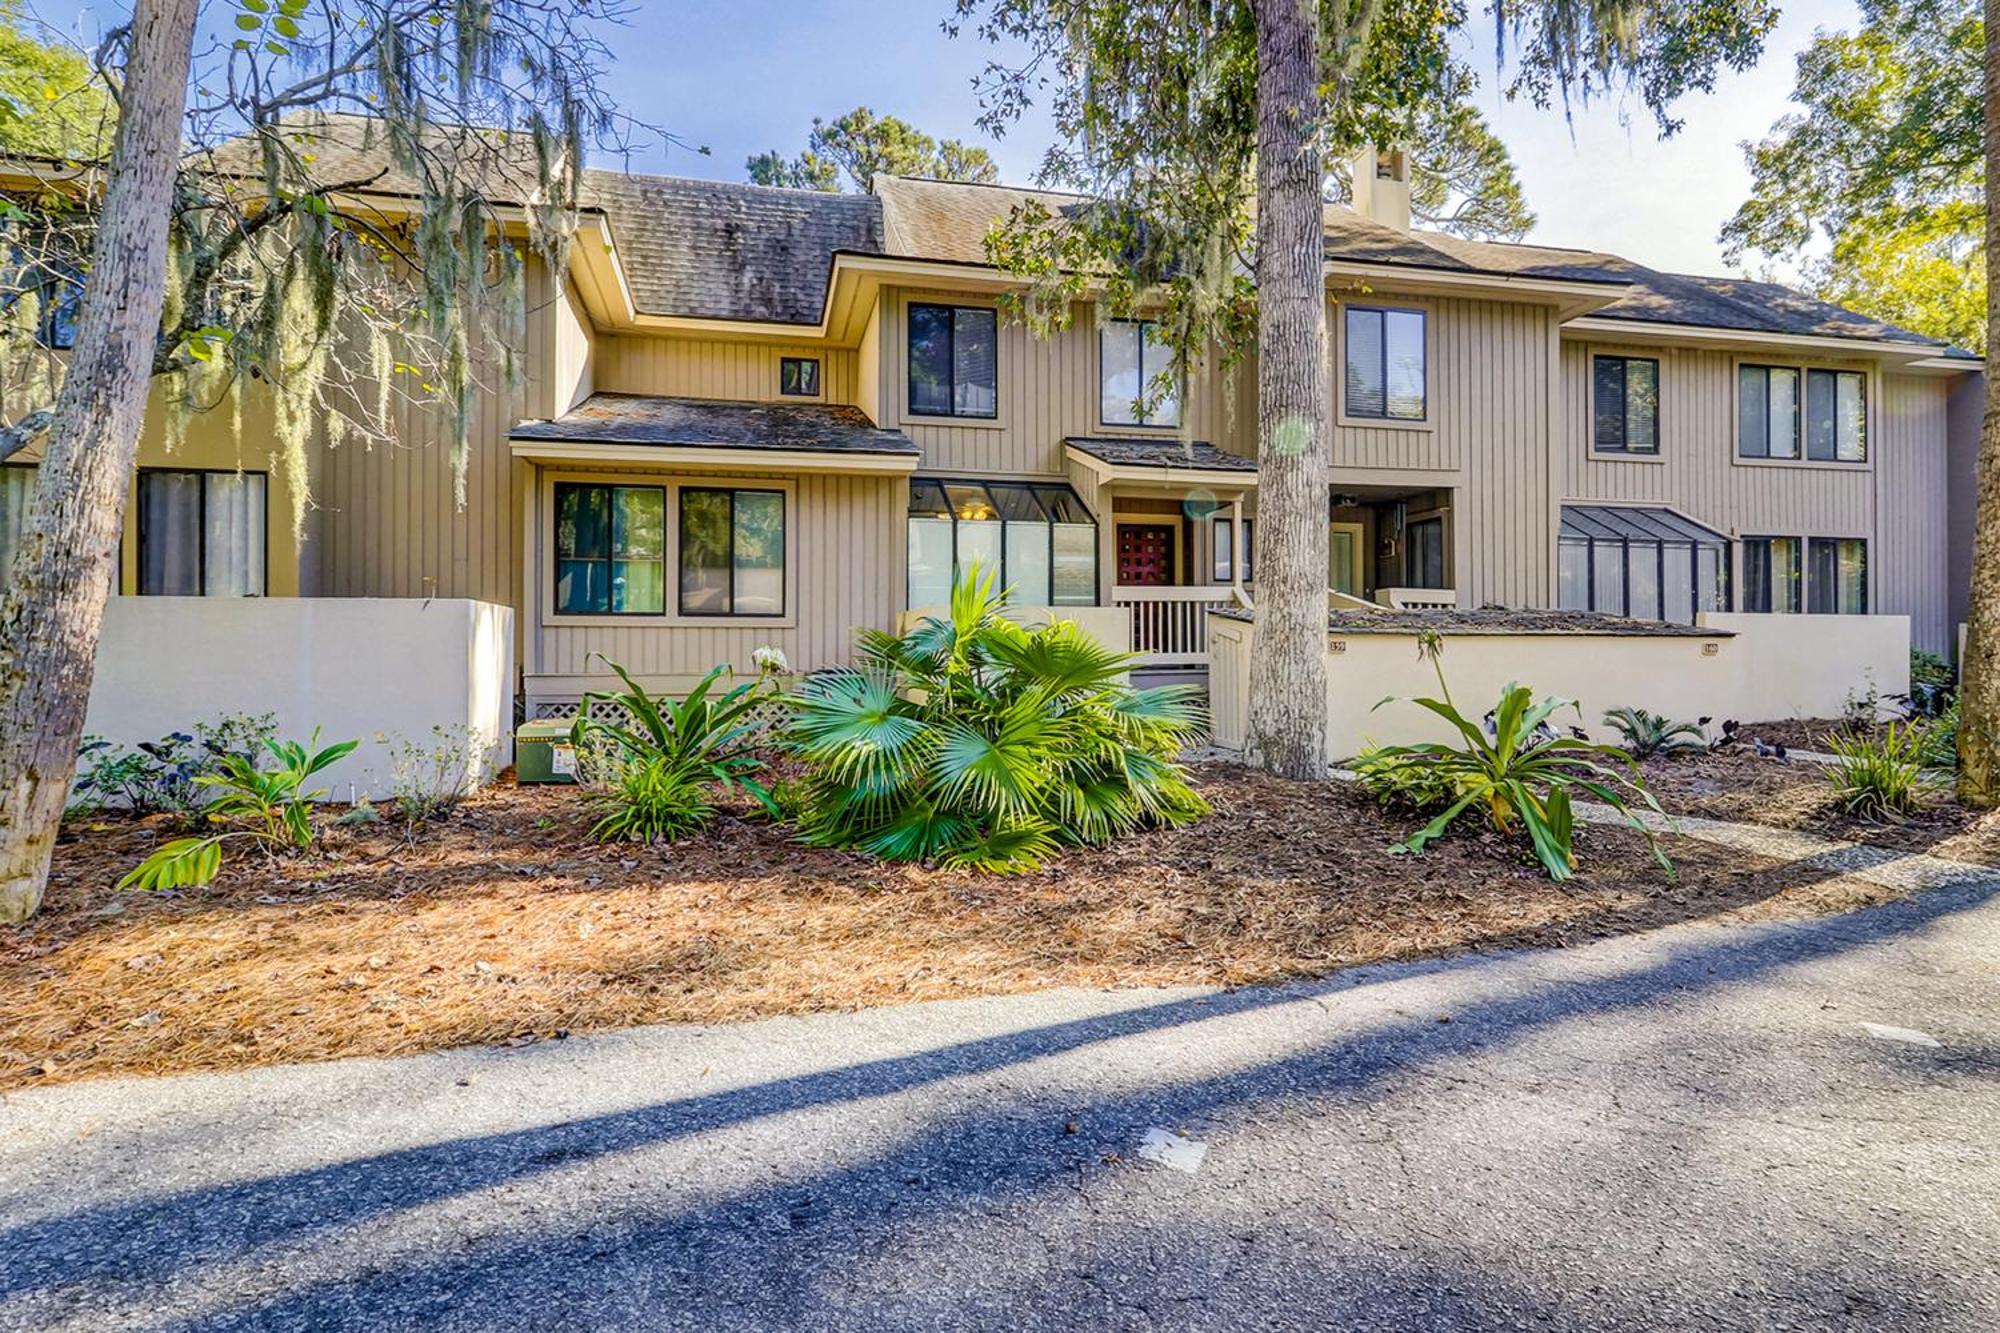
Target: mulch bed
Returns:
[[504, 924], [1736, 784]]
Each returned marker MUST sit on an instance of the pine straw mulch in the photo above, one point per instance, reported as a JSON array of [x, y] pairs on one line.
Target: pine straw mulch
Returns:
[[504, 925], [1735, 784]]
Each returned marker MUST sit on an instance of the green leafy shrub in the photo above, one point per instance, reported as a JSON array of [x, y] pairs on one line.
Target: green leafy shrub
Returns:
[[163, 777], [971, 741], [1880, 775], [1930, 669], [1402, 785], [1524, 772], [1941, 738], [268, 806], [1647, 734], [665, 756]]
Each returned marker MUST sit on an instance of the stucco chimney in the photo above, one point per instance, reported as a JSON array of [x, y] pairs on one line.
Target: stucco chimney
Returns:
[[1382, 186]]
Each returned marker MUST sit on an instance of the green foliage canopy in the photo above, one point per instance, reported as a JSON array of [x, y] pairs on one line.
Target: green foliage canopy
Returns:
[[849, 151], [1875, 185], [51, 103]]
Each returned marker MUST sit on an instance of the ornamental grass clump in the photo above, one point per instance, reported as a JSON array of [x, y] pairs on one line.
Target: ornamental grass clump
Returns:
[[1880, 776], [1521, 771], [973, 742]]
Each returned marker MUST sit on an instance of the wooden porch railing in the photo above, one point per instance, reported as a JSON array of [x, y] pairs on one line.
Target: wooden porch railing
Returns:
[[1418, 599], [1170, 625]]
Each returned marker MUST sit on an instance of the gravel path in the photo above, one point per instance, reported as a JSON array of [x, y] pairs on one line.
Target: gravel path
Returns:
[[1775, 1126]]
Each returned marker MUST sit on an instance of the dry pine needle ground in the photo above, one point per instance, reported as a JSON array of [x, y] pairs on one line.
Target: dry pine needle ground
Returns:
[[504, 923]]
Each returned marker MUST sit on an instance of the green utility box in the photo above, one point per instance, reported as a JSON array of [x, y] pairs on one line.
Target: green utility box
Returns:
[[542, 752]]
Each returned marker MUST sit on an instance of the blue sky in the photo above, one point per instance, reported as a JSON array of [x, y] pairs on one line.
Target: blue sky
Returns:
[[741, 77]]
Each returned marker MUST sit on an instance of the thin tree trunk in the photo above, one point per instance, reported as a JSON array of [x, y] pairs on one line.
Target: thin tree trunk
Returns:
[[1288, 654], [1979, 673], [54, 610]]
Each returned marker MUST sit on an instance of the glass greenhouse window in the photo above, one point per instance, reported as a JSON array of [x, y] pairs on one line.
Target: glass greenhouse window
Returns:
[[1649, 564], [1036, 538]]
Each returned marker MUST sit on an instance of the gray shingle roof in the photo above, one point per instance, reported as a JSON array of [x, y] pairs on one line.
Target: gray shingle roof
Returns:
[[721, 250], [1160, 451], [629, 418]]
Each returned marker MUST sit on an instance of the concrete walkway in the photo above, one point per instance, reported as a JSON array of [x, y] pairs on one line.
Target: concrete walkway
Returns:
[[1780, 1126]]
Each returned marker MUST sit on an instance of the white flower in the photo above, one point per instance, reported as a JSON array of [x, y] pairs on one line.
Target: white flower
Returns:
[[771, 660]]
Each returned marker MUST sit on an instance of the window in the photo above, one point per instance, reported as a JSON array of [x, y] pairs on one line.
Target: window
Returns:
[[954, 359], [201, 534], [610, 550], [1649, 564], [1423, 554], [798, 376], [56, 286], [1625, 406], [17, 492], [1771, 577], [1767, 412], [1837, 576], [1385, 364], [732, 553], [1036, 538], [1132, 356], [1779, 409], [1836, 416], [1225, 549]]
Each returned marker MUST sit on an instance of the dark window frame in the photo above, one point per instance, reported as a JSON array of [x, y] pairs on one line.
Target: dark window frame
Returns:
[[1764, 539], [1223, 550], [1347, 352], [201, 527], [611, 548], [817, 390], [1802, 435], [1140, 420], [1810, 580], [1038, 489], [1624, 446], [951, 356], [785, 571], [1627, 546]]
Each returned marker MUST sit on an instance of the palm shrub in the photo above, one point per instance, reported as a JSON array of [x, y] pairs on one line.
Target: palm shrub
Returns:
[[267, 806], [1879, 775], [1524, 772], [670, 755], [1647, 734], [971, 741]]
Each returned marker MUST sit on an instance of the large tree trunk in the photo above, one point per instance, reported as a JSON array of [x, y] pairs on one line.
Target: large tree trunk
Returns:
[[54, 610], [1979, 673], [1288, 653]]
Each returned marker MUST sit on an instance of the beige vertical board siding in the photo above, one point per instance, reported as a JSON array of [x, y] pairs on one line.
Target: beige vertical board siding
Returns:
[[1048, 391], [1908, 559], [1698, 473], [868, 366], [846, 566], [716, 368]]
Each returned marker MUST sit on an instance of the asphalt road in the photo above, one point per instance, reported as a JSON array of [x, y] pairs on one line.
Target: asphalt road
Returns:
[[1691, 1129]]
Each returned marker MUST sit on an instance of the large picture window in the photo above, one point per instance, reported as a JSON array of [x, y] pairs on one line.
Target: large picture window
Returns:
[[201, 534], [1625, 404], [1036, 538], [1132, 355], [1385, 364], [1818, 415], [1772, 581], [1837, 576], [1649, 564], [732, 552], [954, 361], [611, 547]]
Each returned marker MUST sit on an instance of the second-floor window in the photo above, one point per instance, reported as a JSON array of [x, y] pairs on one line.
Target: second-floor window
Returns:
[[1784, 412], [201, 534], [1133, 354], [798, 376], [1625, 407], [1385, 364], [954, 361]]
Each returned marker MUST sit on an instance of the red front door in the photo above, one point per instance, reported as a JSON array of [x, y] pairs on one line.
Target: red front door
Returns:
[[1146, 554]]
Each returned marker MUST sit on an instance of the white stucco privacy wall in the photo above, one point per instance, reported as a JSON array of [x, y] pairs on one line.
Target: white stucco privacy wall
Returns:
[[360, 668], [1764, 668]]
